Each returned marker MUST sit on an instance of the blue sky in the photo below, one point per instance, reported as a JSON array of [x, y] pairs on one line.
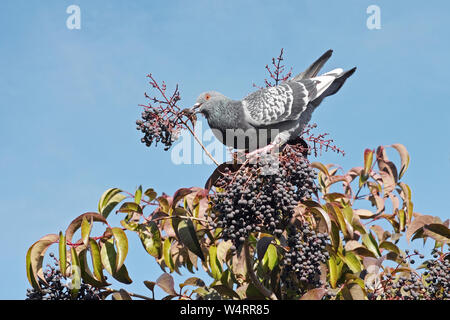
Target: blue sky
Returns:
[[69, 98]]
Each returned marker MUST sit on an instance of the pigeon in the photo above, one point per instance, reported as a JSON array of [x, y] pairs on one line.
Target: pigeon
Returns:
[[270, 116]]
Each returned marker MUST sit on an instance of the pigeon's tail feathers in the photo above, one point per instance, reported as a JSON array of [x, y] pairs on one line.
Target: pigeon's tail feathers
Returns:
[[314, 69], [336, 72], [334, 86]]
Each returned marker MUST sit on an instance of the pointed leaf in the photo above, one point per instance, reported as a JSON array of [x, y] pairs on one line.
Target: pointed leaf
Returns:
[[35, 257], [226, 291], [85, 230], [151, 238], [121, 242], [109, 200], [214, 264], [109, 256], [96, 260], [262, 245], [167, 256], [151, 194], [404, 157], [188, 237], [138, 195], [314, 294], [76, 273], [438, 232], [352, 262], [165, 282], [76, 223], [62, 254]]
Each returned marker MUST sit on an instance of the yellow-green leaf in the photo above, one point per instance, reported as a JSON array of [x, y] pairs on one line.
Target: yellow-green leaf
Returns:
[[121, 242], [352, 262], [109, 200], [214, 264], [85, 230], [167, 256], [188, 237], [138, 195], [35, 257], [76, 273], [62, 254]]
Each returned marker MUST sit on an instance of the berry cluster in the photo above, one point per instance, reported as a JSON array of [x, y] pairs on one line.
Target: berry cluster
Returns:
[[307, 250], [55, 289], [433, 284], [158, 128], [437, 278], [261, 196], [400, 288]]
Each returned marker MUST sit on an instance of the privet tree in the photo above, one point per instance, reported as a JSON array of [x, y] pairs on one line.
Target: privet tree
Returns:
[[297, 230]]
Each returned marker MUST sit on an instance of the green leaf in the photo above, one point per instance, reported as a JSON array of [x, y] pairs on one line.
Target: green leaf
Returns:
[[85, 230], [188, 237], [214, 264], [109, 256], [333, 270], [121, 242], [62, 254], [271, 257], [151, 194], [96, 260], [151, 238], [371, 243], [437, 231], [76, 273], [138, 195], [130, 207], [226, 291], [165, 282], [167, 256], [262, 245], [109, 200], [402, 219], [389, 246], [352, 262], [76, 223], [86, 273], [35, 257]]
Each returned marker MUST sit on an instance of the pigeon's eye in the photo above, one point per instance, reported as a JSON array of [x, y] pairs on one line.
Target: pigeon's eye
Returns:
[[207, 96]]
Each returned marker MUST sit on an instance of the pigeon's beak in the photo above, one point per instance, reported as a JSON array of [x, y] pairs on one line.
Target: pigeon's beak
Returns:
[[195, 108]]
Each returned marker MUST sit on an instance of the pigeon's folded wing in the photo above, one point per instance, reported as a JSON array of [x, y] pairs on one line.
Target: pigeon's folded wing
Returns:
[[284, 102]]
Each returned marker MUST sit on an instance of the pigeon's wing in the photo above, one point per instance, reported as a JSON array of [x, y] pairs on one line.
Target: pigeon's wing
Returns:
[[283, 102]]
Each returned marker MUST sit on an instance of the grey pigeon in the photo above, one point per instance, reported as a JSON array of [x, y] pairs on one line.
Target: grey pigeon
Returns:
[[270, 116]]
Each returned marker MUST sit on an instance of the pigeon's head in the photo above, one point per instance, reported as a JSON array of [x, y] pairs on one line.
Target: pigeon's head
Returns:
[[206, 102]]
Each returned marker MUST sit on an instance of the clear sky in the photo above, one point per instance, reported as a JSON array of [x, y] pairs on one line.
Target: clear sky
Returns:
[[69, 98]]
